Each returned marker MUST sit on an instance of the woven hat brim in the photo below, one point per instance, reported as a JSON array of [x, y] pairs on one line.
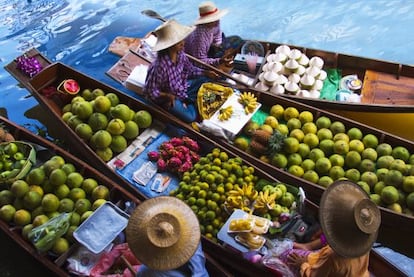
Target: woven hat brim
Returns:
[[168, 257], [211, 18], [345, 239], [179, 33]]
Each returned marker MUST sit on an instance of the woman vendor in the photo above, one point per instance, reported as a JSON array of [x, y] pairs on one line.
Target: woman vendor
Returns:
[[172, 80], [350, 223]]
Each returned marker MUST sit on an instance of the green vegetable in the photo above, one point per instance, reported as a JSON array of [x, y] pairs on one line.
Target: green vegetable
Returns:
[[44, 236]]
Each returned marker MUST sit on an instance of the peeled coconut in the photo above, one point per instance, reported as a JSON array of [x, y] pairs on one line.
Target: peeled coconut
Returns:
[[292, 87], [269, 78], [270, 58], [284, 49], [318, 84], [277, 89], [295, 54], [300, 70], [322, 75], [280, 57], [294, 77], [314, 93], [304, 93], [316, 61], [261, 76], [274, 66], [281, 79], [303, 60], [313, 71], [307, 81], [291, 65], [261, 86]]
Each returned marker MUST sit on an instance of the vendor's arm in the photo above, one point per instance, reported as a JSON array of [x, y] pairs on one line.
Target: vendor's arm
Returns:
[[198, 46]]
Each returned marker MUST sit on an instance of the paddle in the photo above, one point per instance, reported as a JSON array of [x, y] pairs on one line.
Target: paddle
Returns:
[[154, 14]]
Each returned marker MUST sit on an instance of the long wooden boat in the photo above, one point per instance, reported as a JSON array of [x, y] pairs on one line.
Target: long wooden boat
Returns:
[[57, 72], [118, 196], [389, 233], [229, 264]]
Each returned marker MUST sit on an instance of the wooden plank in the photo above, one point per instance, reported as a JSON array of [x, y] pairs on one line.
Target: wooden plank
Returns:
[[383, 88]]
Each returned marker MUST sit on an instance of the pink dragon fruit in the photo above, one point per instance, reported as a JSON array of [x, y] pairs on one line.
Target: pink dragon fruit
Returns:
[[176, 141], [186, 166], [167, 146], [162, 165], [164, 154], [194, 156], [179, 155], [183, 149], [193, 145], [153, 156], [173, 163]]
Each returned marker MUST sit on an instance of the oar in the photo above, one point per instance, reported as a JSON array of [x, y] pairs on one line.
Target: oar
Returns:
[[154, 14]]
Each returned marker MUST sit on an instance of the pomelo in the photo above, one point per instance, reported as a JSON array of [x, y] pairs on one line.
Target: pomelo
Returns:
[[277, 111], [354, 133], [84, 131], [311, 176], [98, 121], [115, 126], [118, 143], [370, 140], [337, 127], [400, 152], [143, 118], [131, 130], [101, 139], [323, 122], [384, 149], [325, 181], [290, 112]]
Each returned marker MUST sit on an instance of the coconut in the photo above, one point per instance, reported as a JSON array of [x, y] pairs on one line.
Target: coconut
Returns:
[[295, 54], [314, 93], [281, 79], [292, 87], [316, 61], [280, 57], [270, 58], [303, 60], [301, 70], [261, 76], [318, 84], [284, 49], [304, 93], [322, 75], [274, 66], [277, 89], [294, 77], [313, 71], [261, 86], [307, 81], [269, 78], [291, 65]]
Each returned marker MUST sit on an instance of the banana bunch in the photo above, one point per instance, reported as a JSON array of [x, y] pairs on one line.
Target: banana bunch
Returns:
[[249, 101], [225, 113], [265, 200], [241, 197], [251, 240]]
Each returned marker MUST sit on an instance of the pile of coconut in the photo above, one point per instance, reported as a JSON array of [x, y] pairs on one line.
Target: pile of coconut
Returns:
[[290, 71]]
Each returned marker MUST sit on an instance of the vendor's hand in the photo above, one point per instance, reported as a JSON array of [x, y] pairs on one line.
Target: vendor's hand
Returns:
[[296, 260], [211, 74]]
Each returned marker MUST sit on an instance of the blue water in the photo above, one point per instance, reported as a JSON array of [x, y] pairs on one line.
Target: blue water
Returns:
[[78, 33]]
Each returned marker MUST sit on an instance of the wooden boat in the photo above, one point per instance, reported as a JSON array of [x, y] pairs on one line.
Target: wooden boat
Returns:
[[388, 234], [225, 261], [58, 71], [118, 195]]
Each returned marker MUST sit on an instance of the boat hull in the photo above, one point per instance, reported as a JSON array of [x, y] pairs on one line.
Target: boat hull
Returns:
[[55, 73]]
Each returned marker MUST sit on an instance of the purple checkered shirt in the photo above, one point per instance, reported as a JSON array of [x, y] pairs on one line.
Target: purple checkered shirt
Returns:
[[166, 76], [199, 41]]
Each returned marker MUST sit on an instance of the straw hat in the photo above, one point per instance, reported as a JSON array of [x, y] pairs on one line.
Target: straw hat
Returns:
[[170, 33], [349, 219], [209, 13], [163, 233]]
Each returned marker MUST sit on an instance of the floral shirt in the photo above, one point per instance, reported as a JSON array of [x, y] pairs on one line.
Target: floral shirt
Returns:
[[199, 41], [166, 76]]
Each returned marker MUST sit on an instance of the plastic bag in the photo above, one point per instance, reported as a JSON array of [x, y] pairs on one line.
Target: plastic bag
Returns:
[[111, 262], [44, 236], [277, 266]]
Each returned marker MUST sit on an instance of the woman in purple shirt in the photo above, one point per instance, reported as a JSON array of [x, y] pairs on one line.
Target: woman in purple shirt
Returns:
[[206, 42], [172, 80]]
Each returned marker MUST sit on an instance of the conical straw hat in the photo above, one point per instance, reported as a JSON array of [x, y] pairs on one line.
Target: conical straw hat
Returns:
[[170, 33], [208, 12], [349, 219], [163, 233]]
